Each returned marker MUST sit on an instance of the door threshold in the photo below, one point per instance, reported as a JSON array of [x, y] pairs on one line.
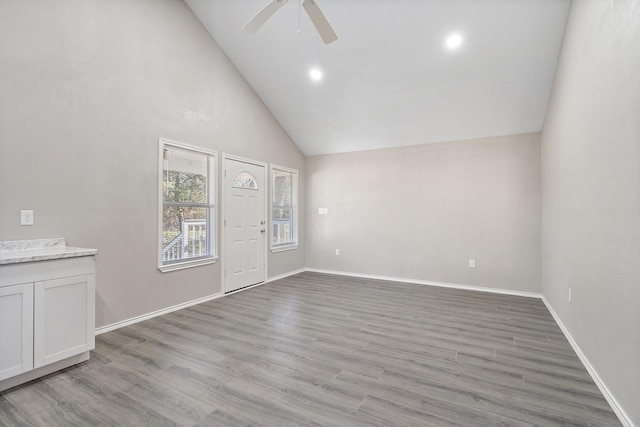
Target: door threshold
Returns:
[[245, 288]]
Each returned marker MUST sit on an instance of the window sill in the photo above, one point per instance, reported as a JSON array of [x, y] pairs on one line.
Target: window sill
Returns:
[[187, 264], [284, 248]]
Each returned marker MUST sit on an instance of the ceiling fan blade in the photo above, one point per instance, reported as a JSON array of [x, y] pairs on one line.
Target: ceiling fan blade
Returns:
[[320, 21], [261, 17]]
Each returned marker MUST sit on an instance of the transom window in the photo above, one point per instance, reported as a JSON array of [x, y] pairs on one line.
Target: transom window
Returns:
[[187, 206], [245, 180], [284, 208]]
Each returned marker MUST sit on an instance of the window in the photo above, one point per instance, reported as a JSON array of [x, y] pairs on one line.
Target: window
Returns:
[[186, 208], [245, 180], [284, 208]]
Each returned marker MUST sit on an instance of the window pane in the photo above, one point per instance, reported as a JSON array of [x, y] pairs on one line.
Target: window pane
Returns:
[[184, 232], [283, 214], [245, 180], [184, 176], [282, 188], [282, 232]]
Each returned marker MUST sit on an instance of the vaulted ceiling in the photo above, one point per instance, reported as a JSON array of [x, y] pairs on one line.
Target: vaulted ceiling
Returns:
[[390, 79]]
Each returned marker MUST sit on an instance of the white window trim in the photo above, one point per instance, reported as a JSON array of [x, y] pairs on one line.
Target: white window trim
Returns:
[[294, 202], [283, 248], [213, 223]]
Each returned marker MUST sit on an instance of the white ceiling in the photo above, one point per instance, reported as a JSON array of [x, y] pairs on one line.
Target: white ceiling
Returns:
[[389, 80]]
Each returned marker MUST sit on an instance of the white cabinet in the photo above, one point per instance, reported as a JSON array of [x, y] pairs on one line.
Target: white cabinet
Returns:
[[16, 330], [47, 317]]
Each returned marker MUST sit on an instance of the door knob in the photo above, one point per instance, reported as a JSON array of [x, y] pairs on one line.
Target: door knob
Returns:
[[262, 231]]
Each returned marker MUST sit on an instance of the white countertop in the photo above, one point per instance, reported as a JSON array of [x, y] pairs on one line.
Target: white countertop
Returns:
[[18, 251]]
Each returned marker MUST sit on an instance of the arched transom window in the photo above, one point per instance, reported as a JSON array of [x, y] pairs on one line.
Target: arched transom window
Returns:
[[245, 180]]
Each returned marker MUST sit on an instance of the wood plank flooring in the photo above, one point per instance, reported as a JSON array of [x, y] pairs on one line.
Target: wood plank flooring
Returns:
[[321, 350]]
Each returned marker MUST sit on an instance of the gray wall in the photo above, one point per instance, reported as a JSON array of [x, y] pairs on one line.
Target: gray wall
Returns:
[[591, 192], [86, 89], [421, 212]]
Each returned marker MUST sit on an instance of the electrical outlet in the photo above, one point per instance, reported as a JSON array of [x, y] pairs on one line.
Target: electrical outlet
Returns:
[[472, 263], [570, 296], [337, 251], [26, 217]]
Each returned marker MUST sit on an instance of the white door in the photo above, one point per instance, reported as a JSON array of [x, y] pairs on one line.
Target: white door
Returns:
[[244, 222]]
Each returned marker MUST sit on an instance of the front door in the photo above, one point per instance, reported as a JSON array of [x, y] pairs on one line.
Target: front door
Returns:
[[244, 222]]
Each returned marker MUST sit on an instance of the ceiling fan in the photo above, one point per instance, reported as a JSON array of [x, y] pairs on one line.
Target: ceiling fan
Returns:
[[310, 6]]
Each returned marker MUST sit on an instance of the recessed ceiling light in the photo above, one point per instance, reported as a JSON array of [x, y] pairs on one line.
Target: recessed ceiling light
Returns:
[[315, 74], [454, 40]]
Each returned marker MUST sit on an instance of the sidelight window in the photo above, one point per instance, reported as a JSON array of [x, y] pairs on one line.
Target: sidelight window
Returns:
[[284, 208]]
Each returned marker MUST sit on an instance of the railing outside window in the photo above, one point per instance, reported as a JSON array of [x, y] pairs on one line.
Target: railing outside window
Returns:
[[190, 243]]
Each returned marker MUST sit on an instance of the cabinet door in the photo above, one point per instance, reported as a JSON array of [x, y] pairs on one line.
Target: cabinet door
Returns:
[[16, 330], [64, 323]]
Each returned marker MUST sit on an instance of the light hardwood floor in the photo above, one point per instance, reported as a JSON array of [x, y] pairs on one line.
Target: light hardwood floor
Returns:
[[325, 350]]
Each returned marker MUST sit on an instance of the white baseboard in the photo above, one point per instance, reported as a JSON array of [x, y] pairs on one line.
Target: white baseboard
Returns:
[[143, 317], [622, 415], [127, 322], [282, 276], [429, 283]]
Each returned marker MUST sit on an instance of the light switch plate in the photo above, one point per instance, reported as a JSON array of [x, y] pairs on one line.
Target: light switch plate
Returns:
[[323, 211]]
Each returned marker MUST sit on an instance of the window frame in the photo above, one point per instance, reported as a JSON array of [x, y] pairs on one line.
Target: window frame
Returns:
[[294, 209], [212, 223]]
